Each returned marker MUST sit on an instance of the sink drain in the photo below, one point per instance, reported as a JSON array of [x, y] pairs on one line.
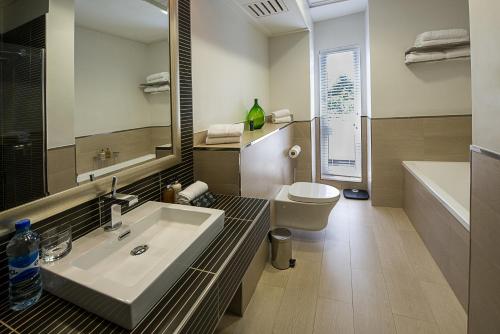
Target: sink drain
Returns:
[[139, 250]]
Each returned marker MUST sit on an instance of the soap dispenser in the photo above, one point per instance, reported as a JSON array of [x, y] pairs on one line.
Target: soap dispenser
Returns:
[[168, 195]]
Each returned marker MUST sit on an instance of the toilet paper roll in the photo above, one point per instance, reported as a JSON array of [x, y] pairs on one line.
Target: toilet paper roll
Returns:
[[294, 152]]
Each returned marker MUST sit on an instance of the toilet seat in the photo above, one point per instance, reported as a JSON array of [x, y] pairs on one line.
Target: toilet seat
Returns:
[[307, 192]]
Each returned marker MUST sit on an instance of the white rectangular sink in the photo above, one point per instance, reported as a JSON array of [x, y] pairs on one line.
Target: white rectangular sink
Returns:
[[121, 275]]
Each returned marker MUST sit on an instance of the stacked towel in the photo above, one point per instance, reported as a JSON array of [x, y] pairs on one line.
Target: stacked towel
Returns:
[[225, 130], [417, 57], [439, 45], [452, 53], [459, 52], [281, 116], [157, 89], [158, 77], [224, 133], [192, 192], [442, 37]]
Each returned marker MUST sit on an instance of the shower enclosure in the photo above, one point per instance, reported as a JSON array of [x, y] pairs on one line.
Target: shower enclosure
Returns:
[[22, 124]]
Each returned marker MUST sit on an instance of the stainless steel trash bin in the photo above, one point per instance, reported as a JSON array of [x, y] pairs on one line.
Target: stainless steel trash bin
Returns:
[[281, 248]]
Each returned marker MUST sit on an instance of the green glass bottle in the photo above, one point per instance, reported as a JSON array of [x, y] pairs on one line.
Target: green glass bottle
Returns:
[[256, 116]]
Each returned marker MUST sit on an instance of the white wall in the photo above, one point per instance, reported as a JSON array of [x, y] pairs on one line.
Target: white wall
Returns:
[[336, 33], [109, 70], [485, 27], [60, 90], [229, 64], [291, 72], [158, 60], [430, 89]]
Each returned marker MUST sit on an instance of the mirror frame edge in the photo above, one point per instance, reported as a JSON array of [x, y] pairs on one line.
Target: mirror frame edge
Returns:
[[51, 205]]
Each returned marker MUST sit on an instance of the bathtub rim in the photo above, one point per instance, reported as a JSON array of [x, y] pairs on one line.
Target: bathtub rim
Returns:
[[453, 206]]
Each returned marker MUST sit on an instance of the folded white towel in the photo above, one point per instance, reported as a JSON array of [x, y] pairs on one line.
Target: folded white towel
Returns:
[[442, 34], [280, 113], [417, 57], [225, 130], [442, 42], [223, 140], [157, 89], [285, 119], [158, 77], [459, 52], [190, 193]]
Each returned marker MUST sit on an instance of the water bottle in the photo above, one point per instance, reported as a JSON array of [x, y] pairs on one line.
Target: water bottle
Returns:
[[25, 284]]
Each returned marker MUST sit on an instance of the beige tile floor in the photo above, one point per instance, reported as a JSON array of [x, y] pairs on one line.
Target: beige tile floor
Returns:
[[368, 272]]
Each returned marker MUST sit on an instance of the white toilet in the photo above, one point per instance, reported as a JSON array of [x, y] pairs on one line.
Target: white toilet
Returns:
[[305, 206]]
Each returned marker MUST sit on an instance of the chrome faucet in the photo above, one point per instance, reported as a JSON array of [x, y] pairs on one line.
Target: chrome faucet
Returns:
[[116, 209]]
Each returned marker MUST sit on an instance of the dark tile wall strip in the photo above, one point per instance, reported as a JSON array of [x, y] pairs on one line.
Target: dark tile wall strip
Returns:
[[193, 305], [22, 163], [95, 213]]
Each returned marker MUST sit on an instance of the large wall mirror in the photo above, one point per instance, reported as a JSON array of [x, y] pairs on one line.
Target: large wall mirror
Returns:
[[88, 90]]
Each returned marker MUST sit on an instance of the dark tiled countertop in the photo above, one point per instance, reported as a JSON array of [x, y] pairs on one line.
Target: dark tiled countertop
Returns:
[[193, 305]]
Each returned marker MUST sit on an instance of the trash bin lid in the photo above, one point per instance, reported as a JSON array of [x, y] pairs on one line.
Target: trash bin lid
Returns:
[[281, 234]]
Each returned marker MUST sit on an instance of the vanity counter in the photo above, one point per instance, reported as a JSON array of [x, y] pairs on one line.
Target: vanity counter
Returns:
[[249, 138], [193, 305]]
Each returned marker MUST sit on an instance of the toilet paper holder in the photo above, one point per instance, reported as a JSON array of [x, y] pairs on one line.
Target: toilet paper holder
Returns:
[[294, 152]]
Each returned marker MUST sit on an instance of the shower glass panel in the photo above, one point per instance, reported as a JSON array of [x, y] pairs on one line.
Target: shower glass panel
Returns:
[[22, 125]]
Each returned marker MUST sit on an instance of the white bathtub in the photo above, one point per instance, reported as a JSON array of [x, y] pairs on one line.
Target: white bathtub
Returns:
[[449, 182]]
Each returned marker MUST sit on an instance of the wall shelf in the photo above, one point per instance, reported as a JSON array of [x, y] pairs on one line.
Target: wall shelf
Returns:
[[436, 48], [438, 61]]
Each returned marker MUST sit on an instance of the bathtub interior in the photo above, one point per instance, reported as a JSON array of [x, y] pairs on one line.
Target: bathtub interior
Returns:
[[449, 182]]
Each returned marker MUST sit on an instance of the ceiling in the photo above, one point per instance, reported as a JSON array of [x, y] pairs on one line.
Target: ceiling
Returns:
[[137, 20], [274, 17], [334, 10]]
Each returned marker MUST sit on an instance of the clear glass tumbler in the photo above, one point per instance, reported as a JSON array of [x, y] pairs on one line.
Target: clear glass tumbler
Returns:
[[56, 243]]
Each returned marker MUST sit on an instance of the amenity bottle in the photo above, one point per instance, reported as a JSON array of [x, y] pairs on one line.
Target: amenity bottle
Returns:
[[25, 283]]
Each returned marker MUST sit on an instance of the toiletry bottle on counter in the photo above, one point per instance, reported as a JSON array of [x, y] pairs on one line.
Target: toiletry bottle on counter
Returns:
[[168, 195], [177, 186], [108, 153], [102, 155], [25, 283]]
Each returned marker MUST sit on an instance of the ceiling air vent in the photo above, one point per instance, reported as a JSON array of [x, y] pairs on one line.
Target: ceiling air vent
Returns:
[[266, 8]]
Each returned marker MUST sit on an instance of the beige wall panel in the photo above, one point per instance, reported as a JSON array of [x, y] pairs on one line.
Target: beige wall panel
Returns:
[[130, 144], [219, 169], [484, 307], [401, 139], [266, 165], [444, 236], [303, 164], [61, 169]]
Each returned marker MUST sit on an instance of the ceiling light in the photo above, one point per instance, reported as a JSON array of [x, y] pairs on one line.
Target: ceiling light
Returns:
[[318, 3]]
